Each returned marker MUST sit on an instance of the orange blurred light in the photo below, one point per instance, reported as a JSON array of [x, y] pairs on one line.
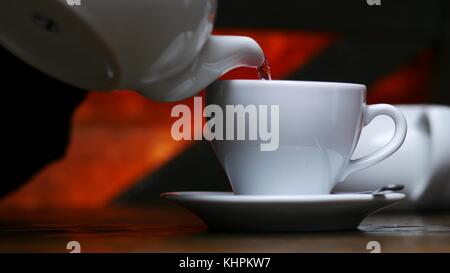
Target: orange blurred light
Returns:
[[119, 137]]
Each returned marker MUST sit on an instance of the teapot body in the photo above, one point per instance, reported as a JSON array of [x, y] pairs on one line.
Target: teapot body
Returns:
[[107, 44]]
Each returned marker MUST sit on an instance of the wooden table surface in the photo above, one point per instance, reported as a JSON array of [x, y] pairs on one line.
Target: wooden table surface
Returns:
[[171, 229]]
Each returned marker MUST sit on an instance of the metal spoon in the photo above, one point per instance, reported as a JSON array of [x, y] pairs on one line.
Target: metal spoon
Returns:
[[381, 191]]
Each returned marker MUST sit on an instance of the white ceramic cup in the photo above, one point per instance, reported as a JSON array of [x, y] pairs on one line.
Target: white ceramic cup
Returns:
[[319, 127]]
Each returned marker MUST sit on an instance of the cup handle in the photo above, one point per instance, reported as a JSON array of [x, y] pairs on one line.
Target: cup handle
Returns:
[[371, 111]]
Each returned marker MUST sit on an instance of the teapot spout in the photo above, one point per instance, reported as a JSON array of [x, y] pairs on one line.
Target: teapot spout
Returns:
[[219, 55], [224, 53]]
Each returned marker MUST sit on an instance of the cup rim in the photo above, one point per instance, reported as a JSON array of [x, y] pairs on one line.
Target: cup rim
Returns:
[[290, 82]]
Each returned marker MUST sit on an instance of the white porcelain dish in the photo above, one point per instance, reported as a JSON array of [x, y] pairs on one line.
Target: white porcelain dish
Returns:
[[225, 211]]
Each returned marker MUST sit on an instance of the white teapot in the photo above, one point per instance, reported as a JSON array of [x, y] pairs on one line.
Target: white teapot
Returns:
[[160, 48]]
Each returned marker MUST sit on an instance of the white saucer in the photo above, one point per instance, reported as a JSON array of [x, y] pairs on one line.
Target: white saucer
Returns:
[[228, 212]]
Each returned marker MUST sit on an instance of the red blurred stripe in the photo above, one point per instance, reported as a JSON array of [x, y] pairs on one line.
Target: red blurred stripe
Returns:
[[118, 137]]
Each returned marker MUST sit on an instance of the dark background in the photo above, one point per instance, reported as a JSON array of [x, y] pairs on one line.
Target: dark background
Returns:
[[399, 49]]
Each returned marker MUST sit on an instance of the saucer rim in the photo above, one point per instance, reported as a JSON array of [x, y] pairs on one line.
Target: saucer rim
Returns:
[[223, 196]]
